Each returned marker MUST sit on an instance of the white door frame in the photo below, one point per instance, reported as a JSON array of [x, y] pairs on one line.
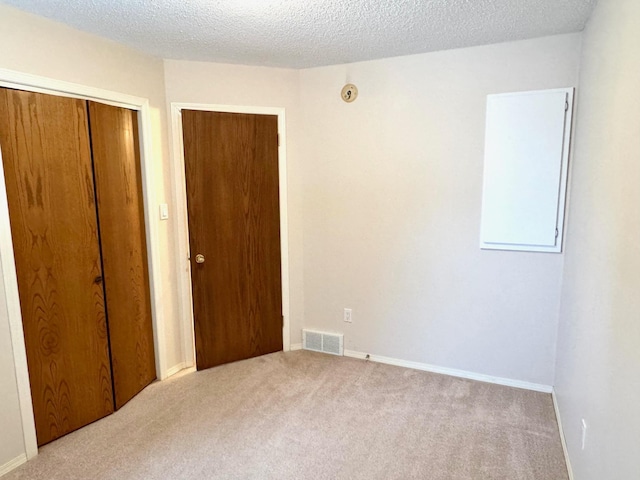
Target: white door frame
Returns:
[[180, 189], [33, 83]]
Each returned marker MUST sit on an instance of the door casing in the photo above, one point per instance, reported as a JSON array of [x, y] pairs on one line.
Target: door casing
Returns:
[[33, 83], [184, 266]]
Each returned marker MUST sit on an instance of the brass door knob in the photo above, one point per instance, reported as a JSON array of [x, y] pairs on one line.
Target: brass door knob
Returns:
[[199, 258]]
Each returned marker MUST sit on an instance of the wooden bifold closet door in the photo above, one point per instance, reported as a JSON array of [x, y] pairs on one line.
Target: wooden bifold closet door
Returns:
[[69, 249], [118, 179]]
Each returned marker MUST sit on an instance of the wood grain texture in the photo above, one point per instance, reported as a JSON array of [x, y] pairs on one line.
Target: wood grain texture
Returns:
[[47, 165], [118, 179], [231, 165]]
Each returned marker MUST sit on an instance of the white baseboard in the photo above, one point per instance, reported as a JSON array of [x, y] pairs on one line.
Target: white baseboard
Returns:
[[12, 464], [562, 438], [175, 369], [295, 346], [536, 387]]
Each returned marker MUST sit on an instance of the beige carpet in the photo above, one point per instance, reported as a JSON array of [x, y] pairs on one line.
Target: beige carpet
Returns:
[[303, 415]]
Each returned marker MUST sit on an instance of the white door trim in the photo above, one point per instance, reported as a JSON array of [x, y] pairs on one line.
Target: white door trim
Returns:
[[184, 266], [33, 83]]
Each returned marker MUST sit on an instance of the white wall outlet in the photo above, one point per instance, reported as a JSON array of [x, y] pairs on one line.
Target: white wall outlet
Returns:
[[584, 433], [347, 315]]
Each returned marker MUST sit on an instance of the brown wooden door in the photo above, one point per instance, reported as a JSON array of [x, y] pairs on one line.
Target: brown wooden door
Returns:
[[231, 164], [47, 165], [118, 178]]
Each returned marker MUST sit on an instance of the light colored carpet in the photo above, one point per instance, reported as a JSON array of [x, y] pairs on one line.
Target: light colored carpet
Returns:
[[303, 415]]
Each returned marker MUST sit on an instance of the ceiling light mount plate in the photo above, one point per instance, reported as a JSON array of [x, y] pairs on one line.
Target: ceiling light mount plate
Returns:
[[349, 92]]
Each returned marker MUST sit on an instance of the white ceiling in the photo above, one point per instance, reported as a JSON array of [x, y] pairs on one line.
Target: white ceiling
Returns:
[[308, 33]]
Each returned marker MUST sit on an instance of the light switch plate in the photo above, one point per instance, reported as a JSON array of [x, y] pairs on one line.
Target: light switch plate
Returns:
[[164, 211]]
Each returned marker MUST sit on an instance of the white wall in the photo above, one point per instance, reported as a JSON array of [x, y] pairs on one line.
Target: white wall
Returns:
[[41, 47], [392, 197], [221, 84], [11, 438], [598, 361]]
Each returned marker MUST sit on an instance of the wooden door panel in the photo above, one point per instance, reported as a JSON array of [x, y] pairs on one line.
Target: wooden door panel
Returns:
[[118, 178], [47, 165], [231, 166]]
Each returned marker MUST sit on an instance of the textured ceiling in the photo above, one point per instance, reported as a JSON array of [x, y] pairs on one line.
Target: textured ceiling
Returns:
[[308, 33]]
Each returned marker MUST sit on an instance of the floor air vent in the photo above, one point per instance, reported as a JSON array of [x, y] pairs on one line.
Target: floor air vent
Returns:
[[323, 342]]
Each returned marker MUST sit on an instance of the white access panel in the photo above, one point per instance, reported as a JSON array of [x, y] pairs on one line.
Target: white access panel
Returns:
[[525, 170]]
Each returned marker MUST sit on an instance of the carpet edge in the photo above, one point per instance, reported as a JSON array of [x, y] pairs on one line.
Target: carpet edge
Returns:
[[13, 464], [536, 387]]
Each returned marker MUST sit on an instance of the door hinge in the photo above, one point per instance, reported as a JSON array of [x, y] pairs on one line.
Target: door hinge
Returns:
[[566, 105], [278, 139], [557, 233], [283, 320]]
